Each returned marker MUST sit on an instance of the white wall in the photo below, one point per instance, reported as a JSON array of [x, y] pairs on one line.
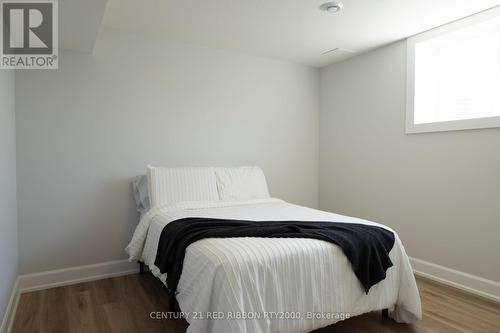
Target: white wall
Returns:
[[86, 129], [440, 191], [8, 205]]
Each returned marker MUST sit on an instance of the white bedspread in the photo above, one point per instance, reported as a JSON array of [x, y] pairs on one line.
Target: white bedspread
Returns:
[[273, 278]]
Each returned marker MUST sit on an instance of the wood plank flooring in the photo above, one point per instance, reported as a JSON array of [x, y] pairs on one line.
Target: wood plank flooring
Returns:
[[123, 304]]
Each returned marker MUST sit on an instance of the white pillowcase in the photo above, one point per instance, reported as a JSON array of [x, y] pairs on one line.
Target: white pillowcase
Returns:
[[174, 185], [243, 183]]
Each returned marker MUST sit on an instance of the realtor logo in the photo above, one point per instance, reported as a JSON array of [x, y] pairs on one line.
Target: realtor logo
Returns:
[[29, 34]]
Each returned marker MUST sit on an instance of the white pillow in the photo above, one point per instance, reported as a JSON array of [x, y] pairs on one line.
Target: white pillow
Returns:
[[243, 183], [174, 185]]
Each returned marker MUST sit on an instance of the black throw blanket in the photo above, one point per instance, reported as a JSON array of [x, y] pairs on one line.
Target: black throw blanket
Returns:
[[366, 247]]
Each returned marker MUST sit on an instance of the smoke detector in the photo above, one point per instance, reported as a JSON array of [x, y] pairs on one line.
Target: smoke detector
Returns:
[[332, 7]]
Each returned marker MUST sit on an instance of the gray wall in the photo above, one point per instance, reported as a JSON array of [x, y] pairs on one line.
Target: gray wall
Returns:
[[85, 130], [8, 206], [440, 191]]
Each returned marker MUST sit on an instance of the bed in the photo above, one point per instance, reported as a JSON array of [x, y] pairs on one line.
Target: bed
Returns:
[[251, 284]]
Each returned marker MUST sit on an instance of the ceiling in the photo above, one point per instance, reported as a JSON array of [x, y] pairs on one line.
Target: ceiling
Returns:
[[293, 30]]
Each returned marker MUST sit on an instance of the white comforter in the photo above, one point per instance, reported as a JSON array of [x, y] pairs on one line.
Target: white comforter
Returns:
[[273, 279]]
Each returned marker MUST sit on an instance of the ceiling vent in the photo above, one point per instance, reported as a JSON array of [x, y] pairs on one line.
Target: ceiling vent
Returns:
[[338, 50]]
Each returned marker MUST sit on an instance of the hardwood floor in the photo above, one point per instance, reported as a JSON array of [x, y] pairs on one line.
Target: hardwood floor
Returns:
[[123, 304]]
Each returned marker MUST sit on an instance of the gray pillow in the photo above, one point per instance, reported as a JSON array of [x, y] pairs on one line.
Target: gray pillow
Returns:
[[141, 193]]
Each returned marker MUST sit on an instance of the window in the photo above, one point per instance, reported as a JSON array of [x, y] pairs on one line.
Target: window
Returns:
[[454, 76]]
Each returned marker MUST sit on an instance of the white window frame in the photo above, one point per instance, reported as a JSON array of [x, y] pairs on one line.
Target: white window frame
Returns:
[[453, 125]]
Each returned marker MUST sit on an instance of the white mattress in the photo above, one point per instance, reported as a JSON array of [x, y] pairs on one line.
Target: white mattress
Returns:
[[272, 278]]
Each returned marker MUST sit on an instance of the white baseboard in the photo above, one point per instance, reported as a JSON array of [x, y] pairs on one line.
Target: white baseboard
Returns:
[[61, 277], [73, 275], [473, 284], [10, 311]]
